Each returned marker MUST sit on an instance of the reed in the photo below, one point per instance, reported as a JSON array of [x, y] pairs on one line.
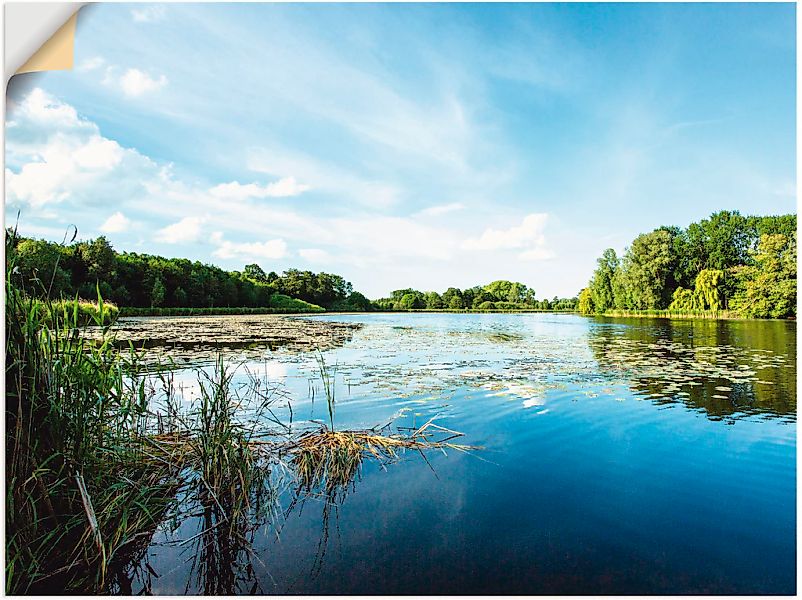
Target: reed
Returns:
[[98, 455], [77, 489]]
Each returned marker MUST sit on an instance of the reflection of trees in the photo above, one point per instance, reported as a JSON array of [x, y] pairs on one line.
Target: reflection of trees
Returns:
[[670, 361]]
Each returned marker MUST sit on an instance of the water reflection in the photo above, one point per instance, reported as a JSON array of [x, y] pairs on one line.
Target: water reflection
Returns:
[[580, 493], [214, 539], [725, 368]]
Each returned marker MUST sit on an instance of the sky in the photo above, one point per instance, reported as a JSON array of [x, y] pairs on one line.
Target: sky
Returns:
[[405, 145]]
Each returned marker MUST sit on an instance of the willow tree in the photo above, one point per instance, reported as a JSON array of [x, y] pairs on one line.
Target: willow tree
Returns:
[[683, 299], [586, 306], [708, 292]]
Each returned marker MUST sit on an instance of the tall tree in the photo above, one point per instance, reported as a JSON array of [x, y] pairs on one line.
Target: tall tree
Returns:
[[648, 266], [601, 284]]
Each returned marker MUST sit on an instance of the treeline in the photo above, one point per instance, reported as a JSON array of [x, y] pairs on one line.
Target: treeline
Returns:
[[130, 279], [498, 295], [729, 262]]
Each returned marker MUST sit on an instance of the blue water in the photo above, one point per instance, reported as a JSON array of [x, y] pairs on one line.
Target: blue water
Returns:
[[618, 456]]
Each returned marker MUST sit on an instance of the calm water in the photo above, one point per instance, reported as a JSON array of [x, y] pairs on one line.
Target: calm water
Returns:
[[620, 456]]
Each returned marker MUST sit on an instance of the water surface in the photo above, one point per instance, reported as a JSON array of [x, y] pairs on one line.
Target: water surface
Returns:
[[624, 456]]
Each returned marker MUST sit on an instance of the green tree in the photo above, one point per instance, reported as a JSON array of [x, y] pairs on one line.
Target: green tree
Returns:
[[357, 301], [647, 267], [455, 303], [255, 272], [433, 300], [601, 284], [586, 306], [507, 291], [99, 257], [411, 301], [767, 287], [157, 293], [683, 299], [708, 292], [452, 298], [41, 269]]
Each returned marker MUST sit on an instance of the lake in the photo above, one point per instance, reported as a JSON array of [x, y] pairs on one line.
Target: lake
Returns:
[[618, 456]]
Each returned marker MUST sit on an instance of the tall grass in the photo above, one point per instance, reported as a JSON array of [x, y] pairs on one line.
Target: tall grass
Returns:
[[78, 312], [92, 468], [78, 488], [97, 457]]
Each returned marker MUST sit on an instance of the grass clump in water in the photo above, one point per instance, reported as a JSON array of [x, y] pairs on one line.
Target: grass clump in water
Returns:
[[330, 460]]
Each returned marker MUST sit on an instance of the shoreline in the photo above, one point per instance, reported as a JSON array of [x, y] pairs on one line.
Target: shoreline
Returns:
[[645, 314]]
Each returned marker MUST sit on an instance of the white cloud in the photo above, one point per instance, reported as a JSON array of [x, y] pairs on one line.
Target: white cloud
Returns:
[[186, 230], [286, 187], [282, 188], [528, 236], [53, 155], [135, 82], [115, 223], [530, 231], [315, 255], [442, 209], [148, 14], [90, 64], [536, 254], [272, 249]]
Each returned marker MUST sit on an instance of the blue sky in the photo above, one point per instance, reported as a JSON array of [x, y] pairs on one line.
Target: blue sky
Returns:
[[422, 145]]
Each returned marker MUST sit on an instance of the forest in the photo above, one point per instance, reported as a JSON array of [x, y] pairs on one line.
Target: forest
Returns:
[[743, 265], [130, 279], [498, 295], [728, 263], [145, 281]]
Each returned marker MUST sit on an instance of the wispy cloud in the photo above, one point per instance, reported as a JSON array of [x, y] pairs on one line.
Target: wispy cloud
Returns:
[[416, 136], [441, 209], [91, 64], [282, 188], [321, 175]]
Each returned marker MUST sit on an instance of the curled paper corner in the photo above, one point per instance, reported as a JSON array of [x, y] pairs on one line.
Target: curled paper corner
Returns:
[[57, 53]]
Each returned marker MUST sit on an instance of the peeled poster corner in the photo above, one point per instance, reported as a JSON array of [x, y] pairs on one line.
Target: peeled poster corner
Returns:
[[39, 37]]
